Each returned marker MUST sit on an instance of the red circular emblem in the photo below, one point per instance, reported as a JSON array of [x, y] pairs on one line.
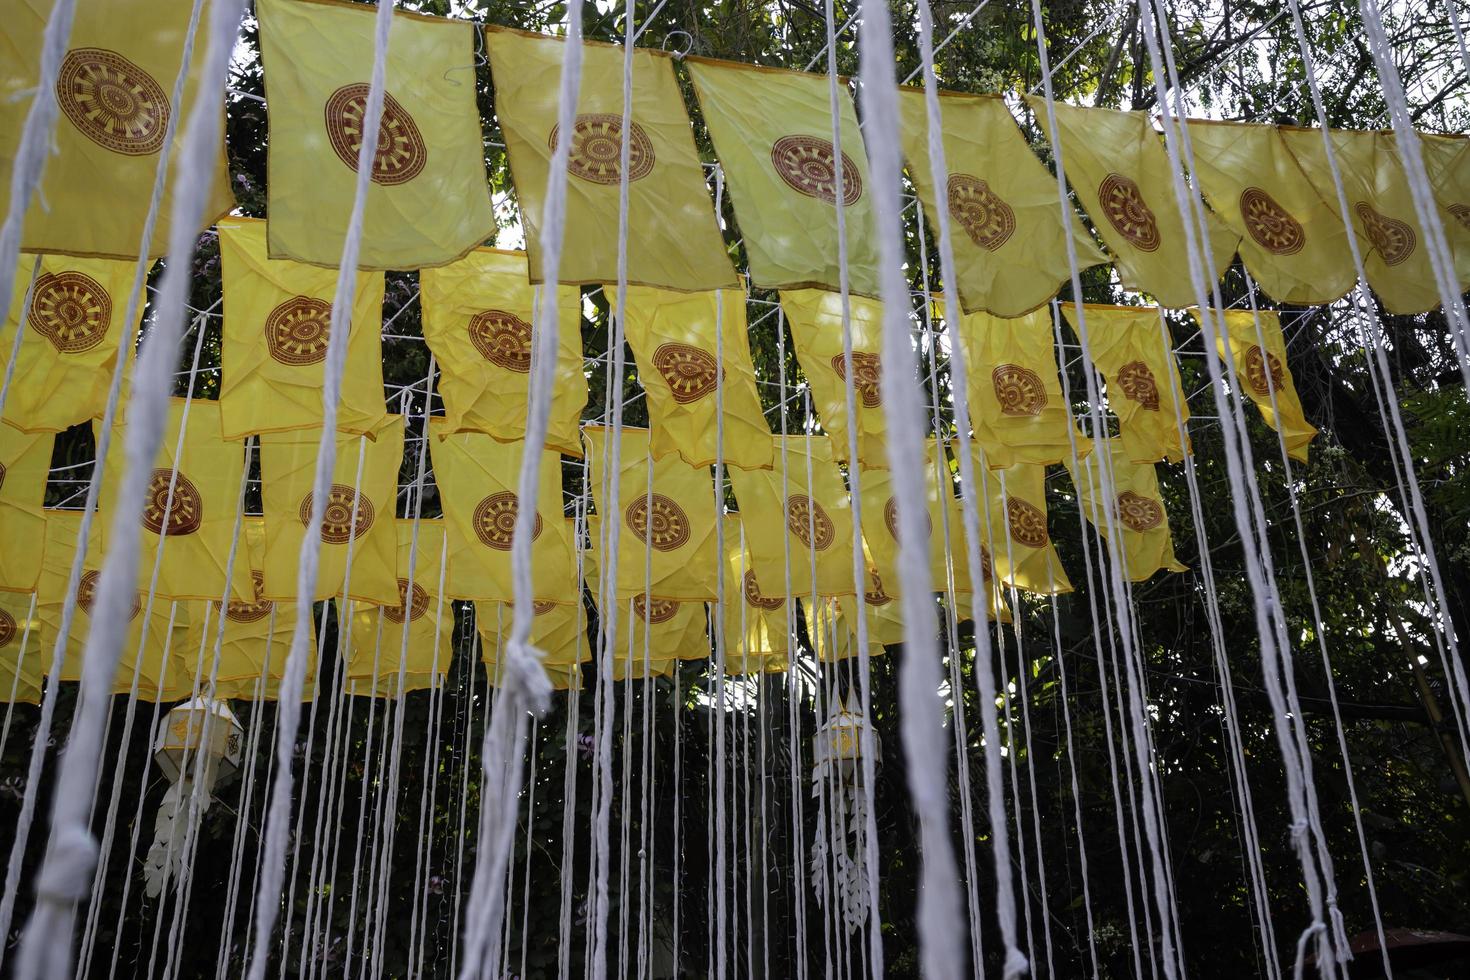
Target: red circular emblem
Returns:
[[1393, 239], [875, 596], [753, 594], [71, 310], [338, 526], [114, 103], [296, 331], [542, 606], [808, 520], [238, 611], [654, 611], [495, 520], [670, 529], [1137, 383], [807, 164], [503, 339], [1018, 389], [87, 595], [401, 153], [597, 148], [1138, 512], [416, 608], [185, 514], [1122, 203], [890, 518], [7, 628], [691, 373], [1269, 224], [1027, 523], [867, 371], [1263, 371], [988, 220]]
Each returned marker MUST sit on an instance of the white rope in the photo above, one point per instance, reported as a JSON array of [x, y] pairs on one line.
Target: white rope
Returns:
[[22, 318]]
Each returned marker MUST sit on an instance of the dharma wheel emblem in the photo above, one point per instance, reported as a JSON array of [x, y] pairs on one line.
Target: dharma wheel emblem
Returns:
[[867, 376], [338, 526], [185, 514], [1393, 239], [670, 529], [542, 606], [808, 520], [874, 595], [808, 165], [1027, 523], [654, 611], [1138, 384], [1138, 512], [987, 564], [503, 339], [1263, 371], [988, 220], [416, 608], [890, 518], [691, 373], [1461, 213], [1018, 389], [754, 597], [1122, 203], [87, 595], [597, 148], [297, 330], [1269, 224], [400, 155], [114, 103], [71, 310], [239, 611], [495, 520], [7, 628]]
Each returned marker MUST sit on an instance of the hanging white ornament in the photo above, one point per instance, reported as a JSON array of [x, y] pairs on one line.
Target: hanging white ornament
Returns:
[[842, 801]]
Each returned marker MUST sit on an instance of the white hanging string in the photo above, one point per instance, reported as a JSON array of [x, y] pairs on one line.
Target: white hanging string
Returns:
[[22, 318]]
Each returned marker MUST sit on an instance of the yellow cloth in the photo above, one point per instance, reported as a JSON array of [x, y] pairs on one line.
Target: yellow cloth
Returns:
[[1014, 526], [833, 633], [1131, 347], [25, 460], [673, 340], [675, 534], [1004, 213], [477, 478], [814, 511], [358, 517], [772, 131], [378, 641], [559, 630], [755, 624], [1016, 404], [113, 93], [880, 524], [657, 630], [563, 677], [22, 654], [74, 329], [277, 321], [1447, 160], [1121, 174], [1291, 239], [1264, 373], [814, 317], [428, 201], [479, 314], [1137, 509], [673, 238]]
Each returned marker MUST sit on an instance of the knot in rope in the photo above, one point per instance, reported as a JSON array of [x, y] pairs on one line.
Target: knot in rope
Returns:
[[1301, 948], [527, 677], [67, 872], [1298, 829], [1342, 950]]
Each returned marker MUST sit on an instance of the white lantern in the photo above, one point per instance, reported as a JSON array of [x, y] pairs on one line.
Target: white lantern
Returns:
[[839, 740]]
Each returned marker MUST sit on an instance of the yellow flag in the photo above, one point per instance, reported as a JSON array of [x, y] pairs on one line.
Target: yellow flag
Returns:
[[378, 640], [428, 202], [666, 521], [815, 320], [1004, 211], [563, 677], [114, 94], [756, 629], [1014, 524], [1122, 176], [1131, 347], [477, 478], [479, 313], [559, 631], [358, 517], [673, 340], [1291, 240], [673, 238], [1259, 352], [277, 320], [1137, 509], [657, 630], [1016, 404], [772, 130], [73, 331], [1447, 159], [22, 654], [814, 510], [25, 460], [880, 523], [830, 626]]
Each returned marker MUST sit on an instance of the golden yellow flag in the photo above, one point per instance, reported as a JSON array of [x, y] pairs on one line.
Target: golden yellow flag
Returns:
[[358, 517], [73, 330], [831, 629], [114, 93], [756, 629], [1447, 159], [25, 461], [1137, 509], [379, 645], [428, 202], [814, 317], [478, 478], [1014, 525], [673, 238], [1016, 404], [23, 656], [772, 130], [278, 317], [1132, 348], [1122, 176], [479, 314], [814, 510], [880, 523], [665, 519], [559, 631], [563, 677], [1292, 242], [1004, 210], [673, 340], [1259, 352], [657, 630]]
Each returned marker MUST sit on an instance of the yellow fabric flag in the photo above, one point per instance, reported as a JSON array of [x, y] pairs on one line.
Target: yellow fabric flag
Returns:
[[756, 630], [278, 317], [73, 331], [559, 630], [378, 639], [194, 529], [1131, 347], [1291, 240], [772, 130], [477, 478], [1122, 176], [673, 340], [814, 511], [831, 629], [358, 517], [114, 94], [1016, 404], [22, 654], [674, 240], [1009, 250], [814, 317], [1263, 373], [1137, 509], [666, 519], [479, 314], [880, 523], [659, 631], [1447, 159], [1015, 527], [428, 202], [563, 677], [25, 460]]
